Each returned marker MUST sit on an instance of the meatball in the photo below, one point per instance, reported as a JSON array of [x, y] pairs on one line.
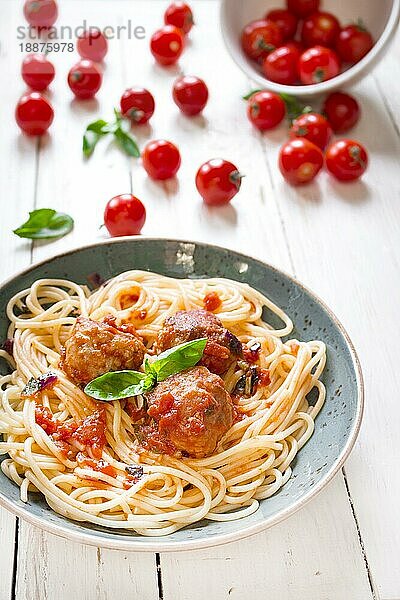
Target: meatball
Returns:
[[222, 348], [95, 348], [193, 410]]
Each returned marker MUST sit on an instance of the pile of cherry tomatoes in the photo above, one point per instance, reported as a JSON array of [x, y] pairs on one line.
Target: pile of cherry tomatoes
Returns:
[[34, 113], [217, 180], [310, 133], [301, 44]]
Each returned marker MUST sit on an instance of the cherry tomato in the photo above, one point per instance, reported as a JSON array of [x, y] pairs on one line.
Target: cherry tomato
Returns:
[[346, 160], [353, 43], [320, 29], [318, 64], [41, 13], [295, 45], [85, 79], [260, 37], [302, 8], [93, 45], [281, 65], [179, 15], [265, 110], [161, 159], [342, 111], [218, 181], [286, 21], [300, 161], [124, 215], [314, 128], [137, 104], [37, 71], [190, 94], [34, 114], [166, 45]]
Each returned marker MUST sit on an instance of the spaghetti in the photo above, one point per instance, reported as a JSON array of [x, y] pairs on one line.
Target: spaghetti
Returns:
[[252, 460]]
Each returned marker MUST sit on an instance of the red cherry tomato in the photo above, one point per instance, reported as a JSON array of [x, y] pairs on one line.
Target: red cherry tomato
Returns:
[[295, 45], [300, 161], [179, 15], [320, 29], [166, 45], [137, 104], [190, 94], [34, 114], [302, 8], [265, 110], [218, 181], [37, 71], [286, 21], [353, 43], [93, 45], [318, 64], [161, 159], [124, 215], [281, 65], [342, 111], [346, 160], [85, 79], [260, 37], [314, 128], [41, 13]]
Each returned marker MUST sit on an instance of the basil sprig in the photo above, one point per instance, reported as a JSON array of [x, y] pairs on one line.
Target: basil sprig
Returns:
[[45, 223], [117, 385], [119, 128]]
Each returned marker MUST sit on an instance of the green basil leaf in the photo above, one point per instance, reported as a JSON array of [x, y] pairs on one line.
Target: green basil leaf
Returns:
[[126, 142], [99, 127], [45, 223], [177, 359], [249, 95], [294, 108], [117, 385], [94, 131]]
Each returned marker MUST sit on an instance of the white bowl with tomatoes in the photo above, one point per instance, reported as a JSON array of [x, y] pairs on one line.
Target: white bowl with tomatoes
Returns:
[[307, 47]]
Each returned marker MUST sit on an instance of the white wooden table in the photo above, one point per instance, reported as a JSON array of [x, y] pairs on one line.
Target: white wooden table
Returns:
[[341, 240]]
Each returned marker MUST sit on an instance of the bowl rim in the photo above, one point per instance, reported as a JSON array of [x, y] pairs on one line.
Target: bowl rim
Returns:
[[345, 78], [92, 538]]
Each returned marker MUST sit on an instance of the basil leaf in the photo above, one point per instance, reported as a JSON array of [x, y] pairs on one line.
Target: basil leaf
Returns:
[[94, 131], [45, 223], [126, 142], [99, 127], [177, 359], [249, 95], [119, 384], [294, 108]]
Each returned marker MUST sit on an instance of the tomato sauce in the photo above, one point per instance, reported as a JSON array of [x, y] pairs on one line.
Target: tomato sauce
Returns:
[[100, 465], [45, 419], [138, 315], [128, 299], [212, 301], [263, 377], [252, 354], [90, 432]]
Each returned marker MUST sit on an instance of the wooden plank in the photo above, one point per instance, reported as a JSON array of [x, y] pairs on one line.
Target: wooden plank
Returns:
[[17, 197], [345, 245], [51, 568], [315, 555]]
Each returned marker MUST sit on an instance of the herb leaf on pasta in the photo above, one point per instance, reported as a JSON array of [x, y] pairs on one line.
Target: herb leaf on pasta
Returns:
[[117, 385]]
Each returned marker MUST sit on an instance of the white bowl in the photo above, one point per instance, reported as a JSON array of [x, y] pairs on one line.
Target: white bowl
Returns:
[[381, 17]]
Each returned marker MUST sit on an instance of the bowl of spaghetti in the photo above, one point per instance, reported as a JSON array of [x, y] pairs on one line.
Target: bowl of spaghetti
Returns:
[[167, 395]]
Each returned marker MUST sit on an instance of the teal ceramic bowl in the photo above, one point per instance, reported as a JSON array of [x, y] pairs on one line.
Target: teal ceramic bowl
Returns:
[[336, 426]]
